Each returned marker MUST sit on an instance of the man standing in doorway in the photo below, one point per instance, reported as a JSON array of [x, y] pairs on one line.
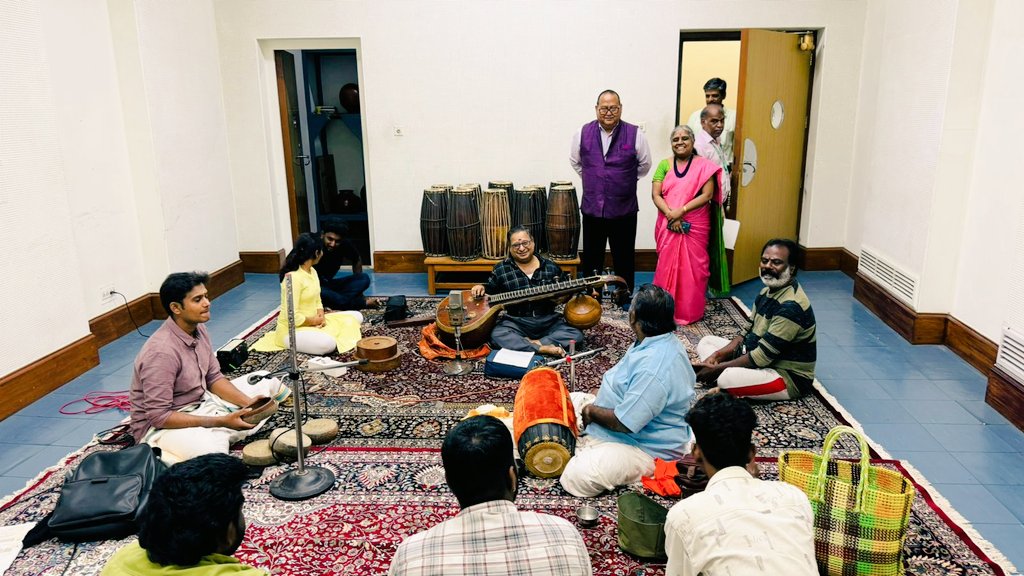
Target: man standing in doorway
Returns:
[[610, 156], [714, 93], [709, 145]]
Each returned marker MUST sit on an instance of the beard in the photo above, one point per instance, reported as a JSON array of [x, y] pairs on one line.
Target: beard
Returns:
[[784, 278]]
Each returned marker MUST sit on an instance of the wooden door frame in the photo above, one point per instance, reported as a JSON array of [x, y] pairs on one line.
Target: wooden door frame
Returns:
[[286, 141]]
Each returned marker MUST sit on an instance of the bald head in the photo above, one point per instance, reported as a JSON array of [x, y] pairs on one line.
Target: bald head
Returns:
[[712, 120]]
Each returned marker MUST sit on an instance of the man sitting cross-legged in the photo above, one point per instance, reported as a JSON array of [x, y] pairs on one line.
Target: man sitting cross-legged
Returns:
[[180, 401], [738, 524], [489, 536], [775, 359], [638, 413], [192, 523]]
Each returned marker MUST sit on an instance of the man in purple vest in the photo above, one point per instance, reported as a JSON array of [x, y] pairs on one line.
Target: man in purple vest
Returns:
[[610, 156]]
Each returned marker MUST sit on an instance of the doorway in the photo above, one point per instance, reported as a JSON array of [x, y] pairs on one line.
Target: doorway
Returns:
[[327, 153], [768, 74]]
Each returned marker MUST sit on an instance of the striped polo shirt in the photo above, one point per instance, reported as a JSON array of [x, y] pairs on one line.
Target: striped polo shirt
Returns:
[[783, 336]]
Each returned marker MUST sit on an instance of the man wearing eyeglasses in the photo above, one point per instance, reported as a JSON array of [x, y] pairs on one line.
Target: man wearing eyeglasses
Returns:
[[610, 155]]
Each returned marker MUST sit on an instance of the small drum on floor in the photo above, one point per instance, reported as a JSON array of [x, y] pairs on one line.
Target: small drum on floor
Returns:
[[463, 225], [433, 222], [283, 444], [321, 430], [544, 423], [257, 453], [494, 223], [381, 352], [562, 223]]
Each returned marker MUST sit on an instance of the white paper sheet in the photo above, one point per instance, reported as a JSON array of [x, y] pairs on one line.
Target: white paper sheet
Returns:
[[513, 357], [730, 229], [10, 543]]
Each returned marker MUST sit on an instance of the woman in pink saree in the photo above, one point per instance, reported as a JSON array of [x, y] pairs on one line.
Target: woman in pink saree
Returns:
[[686, 191]]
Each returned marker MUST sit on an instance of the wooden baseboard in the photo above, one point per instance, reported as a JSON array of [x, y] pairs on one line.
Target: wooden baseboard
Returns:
[[896, 314], [976, 349], [226, 278], [848, 263], [399, 261], [111, 325], [409, 261], [30, 383], [1006, 395], [262, 262], [814, 259]]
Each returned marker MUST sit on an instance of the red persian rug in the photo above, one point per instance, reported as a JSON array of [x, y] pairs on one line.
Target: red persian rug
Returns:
[[384, 495]]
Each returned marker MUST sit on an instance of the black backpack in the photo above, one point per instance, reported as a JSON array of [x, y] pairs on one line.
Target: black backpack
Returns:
[[103, 498]]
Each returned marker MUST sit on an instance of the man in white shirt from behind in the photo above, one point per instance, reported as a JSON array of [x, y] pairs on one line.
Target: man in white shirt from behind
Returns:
[[738, 524]]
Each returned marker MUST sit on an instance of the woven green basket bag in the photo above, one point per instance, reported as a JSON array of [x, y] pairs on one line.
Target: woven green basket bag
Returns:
[[860, 511]]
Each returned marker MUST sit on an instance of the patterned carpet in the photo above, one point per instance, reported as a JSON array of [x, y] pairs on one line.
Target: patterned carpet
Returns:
[[415, 405], [391, 484]]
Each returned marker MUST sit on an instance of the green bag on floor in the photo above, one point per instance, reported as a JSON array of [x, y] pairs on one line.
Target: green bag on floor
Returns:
[[642, 526]]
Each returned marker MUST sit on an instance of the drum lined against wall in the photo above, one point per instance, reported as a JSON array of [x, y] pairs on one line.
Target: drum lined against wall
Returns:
[[463, 225], [528, 211], [562, 222], [542, 197], [494, 223], [476, 189], [544, 423], [434, 221], [508, 188]]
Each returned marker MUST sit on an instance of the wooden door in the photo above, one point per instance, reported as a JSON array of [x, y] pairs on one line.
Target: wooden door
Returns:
[[295, 159], [774, 73]]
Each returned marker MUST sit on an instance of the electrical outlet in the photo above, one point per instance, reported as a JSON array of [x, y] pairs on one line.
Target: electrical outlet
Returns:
[[397, 131], [106, 293], [642, 126]]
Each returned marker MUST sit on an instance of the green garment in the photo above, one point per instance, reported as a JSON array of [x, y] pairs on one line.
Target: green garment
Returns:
[[131, 560]]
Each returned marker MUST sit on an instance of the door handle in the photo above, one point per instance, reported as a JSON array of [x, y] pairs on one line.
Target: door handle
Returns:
[[302, 160]]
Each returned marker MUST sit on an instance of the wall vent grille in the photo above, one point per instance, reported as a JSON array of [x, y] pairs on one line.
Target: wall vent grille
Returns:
[[895, 280], [1011, 354]]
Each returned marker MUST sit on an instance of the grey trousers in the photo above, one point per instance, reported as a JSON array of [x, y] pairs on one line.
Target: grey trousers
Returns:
[[515, 332]]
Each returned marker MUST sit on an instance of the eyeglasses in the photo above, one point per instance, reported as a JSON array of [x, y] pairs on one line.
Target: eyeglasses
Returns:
[[524, 244], [609, 109]]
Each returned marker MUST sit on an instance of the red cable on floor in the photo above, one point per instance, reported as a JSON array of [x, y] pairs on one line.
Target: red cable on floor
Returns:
[[99, 401]]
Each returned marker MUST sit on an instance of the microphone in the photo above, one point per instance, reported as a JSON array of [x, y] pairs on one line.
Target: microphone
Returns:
[[456, 310]]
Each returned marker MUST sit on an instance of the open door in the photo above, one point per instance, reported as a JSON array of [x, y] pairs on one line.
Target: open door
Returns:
[[771, 132], [294, 158]]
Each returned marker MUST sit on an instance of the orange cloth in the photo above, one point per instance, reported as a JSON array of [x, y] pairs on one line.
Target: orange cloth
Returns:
[[542, 397], [432, 348], [663, 482]]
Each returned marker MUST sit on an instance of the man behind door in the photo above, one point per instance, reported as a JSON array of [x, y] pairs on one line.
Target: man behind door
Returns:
[[610, 156]]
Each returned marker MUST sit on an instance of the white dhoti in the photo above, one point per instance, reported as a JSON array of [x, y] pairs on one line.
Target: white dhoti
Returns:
[[753, 383], [600, 465], [180, 444]]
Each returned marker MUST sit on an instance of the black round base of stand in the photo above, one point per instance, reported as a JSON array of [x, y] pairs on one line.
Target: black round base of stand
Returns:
[[300, 485]]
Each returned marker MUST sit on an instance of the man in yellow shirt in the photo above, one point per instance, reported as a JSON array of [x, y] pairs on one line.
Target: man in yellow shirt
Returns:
[[191, 524]]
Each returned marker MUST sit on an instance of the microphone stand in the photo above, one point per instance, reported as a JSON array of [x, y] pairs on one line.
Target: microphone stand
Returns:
[[302, 482], [457, 367]]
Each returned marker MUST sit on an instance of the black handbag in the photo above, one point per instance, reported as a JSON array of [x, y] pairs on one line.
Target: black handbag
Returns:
[[103, 498], [396, 309]]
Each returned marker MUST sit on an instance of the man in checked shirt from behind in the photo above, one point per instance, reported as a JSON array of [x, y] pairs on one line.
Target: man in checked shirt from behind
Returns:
[[489, 535]]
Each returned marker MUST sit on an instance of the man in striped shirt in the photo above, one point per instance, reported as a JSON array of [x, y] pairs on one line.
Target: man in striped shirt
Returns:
[[489, 536], [774, 360]]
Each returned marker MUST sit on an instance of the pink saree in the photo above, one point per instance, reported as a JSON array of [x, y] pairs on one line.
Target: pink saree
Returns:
[[683, 260]]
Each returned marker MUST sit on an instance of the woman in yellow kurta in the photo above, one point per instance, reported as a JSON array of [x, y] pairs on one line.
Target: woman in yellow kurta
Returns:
[[315, 332]]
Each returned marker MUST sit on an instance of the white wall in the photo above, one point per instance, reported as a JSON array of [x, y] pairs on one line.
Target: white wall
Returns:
[[487, 90], [41, 306], [994, 217], [90, 128]]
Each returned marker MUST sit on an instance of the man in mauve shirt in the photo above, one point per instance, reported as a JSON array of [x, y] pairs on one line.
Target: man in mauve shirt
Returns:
[[180, 401]]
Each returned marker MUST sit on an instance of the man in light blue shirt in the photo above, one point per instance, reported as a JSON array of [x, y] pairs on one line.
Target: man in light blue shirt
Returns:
[[639, 413]]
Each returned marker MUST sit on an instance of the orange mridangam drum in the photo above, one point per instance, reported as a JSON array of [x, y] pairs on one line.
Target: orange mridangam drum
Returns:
[[544, 423]]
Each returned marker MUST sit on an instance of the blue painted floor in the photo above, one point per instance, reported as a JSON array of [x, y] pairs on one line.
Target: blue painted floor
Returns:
[[922, 403]]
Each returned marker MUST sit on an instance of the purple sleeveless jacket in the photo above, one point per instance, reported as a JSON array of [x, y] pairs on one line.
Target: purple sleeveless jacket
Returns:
[[609, 182]]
